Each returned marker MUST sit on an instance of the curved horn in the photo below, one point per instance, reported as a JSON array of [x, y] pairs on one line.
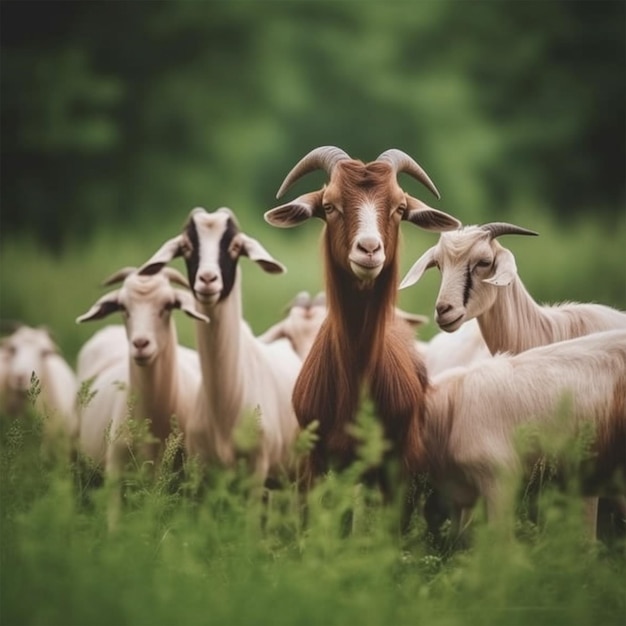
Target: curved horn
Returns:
[[402, 162], [495, 229], [324, 158], [118, 276], [175, 276]]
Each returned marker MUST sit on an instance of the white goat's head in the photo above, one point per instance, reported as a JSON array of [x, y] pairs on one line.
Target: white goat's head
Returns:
[[362, 205], [300, 326], [211, 244], [473, 266], [146, 303], [24, 353]]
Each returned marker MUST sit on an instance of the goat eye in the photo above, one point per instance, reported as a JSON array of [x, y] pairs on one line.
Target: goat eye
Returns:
[[401, 210], [328, 208], [484, 263]]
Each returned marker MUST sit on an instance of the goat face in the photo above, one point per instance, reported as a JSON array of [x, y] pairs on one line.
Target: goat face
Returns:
[[211, 244], [24, 352], [362, 205], [473, 267], [146, 303]]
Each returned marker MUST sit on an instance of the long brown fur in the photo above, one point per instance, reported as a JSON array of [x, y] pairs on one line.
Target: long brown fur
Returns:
[[361, 347]]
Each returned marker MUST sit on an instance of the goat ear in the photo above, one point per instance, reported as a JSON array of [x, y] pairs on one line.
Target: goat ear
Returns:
[[275, 332], [171, 249], [256, 252], [106, 305], [428, 218], [295, 212], [186, 303], [505, 269], [414, 320], [426, 261]]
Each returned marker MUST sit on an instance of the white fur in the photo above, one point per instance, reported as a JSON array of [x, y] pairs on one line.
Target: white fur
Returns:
[[459, 348], [31, 351], [509, 318], [472, 414], [301, 324], [242, 376], [157, 380]]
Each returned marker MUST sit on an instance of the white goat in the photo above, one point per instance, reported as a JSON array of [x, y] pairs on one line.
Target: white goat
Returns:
[[156, 381], [472, 415], [479, 279], [31, 351], [300, 326], [242, 376]]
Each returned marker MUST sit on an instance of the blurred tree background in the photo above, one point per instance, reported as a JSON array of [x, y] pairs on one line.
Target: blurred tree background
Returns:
[[125, 115]]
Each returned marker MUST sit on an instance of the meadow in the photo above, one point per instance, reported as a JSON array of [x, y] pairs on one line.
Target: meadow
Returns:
[[194, 552]]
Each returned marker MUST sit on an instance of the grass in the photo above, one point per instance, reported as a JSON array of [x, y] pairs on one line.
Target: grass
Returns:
[[190, 552]]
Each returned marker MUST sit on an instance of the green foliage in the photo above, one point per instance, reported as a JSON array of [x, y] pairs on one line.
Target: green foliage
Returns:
[[186, 549], [113, 114]]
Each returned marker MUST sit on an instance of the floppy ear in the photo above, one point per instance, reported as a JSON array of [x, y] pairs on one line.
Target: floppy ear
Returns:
[[428, 218], [171, 249], [426, 261], [186, 303], [295, 212], [106, 305], [414, 320], [275, 332], [505, 269], [256, 252]]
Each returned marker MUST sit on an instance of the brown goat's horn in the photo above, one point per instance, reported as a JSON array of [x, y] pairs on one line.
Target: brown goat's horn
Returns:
[[402, 162], [322, 158], [118, 276], [495, 229]]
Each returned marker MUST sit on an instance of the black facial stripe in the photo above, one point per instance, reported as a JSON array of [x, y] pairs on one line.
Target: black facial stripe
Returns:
[[228, 265], [192, 261], [468, 285]]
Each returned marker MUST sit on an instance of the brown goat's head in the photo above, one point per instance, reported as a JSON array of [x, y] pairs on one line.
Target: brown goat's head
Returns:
[[362, 205]]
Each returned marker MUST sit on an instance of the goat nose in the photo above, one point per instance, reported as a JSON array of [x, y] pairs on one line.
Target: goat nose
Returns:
[[207, 277], [141, 343], [369, 245], [442, 308]]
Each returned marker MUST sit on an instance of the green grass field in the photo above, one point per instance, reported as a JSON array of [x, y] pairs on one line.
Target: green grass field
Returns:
[[191, 554]]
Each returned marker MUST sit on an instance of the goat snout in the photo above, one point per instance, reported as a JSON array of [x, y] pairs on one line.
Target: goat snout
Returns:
[[442, 308], [141, 343], [20, 381], [208, 285], [369, 245], [449, 317]]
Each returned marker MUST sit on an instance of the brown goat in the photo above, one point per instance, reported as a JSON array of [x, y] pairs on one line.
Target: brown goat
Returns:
[[363, 349]]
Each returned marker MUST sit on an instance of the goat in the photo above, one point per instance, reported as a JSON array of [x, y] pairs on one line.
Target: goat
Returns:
[[29, 352], [362, 345], [472, 414], [479, 279], [242, 377], [301, 324], [156, 381]]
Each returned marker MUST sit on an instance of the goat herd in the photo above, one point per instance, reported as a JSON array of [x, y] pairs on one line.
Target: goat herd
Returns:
[[450, 407]]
